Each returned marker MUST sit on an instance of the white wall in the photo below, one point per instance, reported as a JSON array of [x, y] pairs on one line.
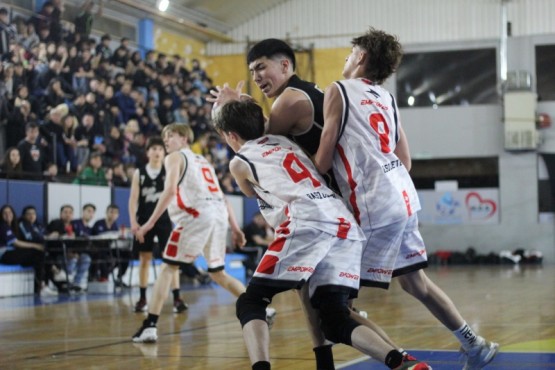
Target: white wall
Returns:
[[332, 23], [474, 131]]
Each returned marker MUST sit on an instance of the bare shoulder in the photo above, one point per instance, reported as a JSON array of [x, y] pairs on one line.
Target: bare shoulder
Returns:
[[291, 112]]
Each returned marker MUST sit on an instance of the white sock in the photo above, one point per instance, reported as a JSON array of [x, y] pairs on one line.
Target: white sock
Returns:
[[467, 336]]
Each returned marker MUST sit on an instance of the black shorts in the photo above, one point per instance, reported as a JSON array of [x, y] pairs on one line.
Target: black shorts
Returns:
[[162, 230]]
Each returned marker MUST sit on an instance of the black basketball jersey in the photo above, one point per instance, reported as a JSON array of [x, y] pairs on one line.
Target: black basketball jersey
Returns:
[[310, 140], [149, 192]]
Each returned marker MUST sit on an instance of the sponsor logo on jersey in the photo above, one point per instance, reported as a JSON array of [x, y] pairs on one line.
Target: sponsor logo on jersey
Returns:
[[318, 195], [415, 254], [150, 194], [348, 275], [300, 269], [373, 102], [380, 271], [273, 150], [391, 165]]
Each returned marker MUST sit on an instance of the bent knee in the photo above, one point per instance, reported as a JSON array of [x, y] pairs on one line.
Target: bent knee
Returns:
[[250, 307]]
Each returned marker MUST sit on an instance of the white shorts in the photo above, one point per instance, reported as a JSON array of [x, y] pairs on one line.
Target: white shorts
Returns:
[[391, 251], [304, 253], [203, 236]]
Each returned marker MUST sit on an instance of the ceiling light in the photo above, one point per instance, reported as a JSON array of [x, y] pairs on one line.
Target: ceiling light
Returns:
[[163, 5]]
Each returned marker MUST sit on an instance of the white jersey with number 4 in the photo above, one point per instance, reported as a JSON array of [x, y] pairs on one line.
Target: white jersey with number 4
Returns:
[[289, 188], [371, 177], [199, 195]]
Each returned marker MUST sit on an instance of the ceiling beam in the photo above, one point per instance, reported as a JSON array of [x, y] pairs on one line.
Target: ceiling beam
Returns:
[[210, 33]]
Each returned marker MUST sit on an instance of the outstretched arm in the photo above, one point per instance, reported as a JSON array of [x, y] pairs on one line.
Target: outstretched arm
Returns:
[[333, 113]]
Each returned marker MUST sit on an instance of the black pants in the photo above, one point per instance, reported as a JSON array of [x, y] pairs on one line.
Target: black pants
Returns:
[[28, 257]]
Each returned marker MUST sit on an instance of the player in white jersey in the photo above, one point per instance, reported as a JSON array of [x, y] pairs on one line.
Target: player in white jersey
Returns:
[[365, 144], [317, 240], [201, 218]]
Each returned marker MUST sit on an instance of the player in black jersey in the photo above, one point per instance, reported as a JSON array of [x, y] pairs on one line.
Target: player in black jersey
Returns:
[[146, 187], [297, 112]]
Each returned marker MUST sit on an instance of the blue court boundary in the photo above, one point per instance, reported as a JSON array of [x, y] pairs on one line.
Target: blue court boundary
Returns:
[[451, 360]]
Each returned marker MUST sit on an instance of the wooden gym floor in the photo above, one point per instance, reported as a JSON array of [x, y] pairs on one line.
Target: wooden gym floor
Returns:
[[514, 306]]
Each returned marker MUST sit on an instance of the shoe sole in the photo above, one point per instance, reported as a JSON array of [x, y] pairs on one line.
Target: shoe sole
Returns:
[[493, 350], [175, 310], [144, 309], [151, 339]]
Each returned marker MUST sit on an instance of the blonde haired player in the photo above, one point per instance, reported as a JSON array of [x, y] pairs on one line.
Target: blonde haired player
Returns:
[[201, 217]]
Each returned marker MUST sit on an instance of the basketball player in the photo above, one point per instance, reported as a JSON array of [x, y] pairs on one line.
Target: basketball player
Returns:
[[317, 240], [297, 113], [146, 187], [364, 142], [201, 217]]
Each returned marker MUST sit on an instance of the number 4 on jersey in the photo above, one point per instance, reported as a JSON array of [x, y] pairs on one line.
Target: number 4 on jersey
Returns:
[[297, 170]]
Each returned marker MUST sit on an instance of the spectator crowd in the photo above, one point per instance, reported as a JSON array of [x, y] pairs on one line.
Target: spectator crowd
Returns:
[[75, 110]]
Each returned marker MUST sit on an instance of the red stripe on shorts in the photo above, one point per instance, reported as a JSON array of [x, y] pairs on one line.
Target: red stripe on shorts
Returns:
[[277, 245], [343, 228], [171, 250], [267, 265]]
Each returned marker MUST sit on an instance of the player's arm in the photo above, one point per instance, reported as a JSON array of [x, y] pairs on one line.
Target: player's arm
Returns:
[[292, 113], [402, 149], [237, 236], [174, 166], [333, 115], [241, 173], [134, 201]]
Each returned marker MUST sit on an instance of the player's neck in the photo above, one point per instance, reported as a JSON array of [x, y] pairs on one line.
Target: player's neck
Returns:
[[155, 165]]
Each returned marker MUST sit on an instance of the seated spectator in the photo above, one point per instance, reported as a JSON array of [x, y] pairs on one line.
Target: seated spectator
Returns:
[[106, 225], [92, 173], [33, 157], [77, 263], [11, 164], [52, 131], [88, 138], [258, 235], [14, 251], [119, 176], [69, 125], [103, 49], [115, 146]]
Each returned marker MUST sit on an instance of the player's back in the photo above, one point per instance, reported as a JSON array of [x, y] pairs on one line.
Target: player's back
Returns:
[[370, 175], [198, 191], [289, 187]]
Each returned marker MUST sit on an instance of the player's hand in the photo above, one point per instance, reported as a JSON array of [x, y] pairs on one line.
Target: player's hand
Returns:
[[224, 94], [140, 233], [238, 238]]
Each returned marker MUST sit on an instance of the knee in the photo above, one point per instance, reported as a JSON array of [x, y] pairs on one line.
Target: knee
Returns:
[[85, 258], [250, 307], [336, 322]]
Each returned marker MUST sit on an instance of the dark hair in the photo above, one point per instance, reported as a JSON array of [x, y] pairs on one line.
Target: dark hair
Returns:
[[30, 125], [245, 118], [27, 208], [154, 141], [87, 205], [13, 225], [384, 53], [66, 206], [269, 48], [8, 168], [4, 11], [112, 206]]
